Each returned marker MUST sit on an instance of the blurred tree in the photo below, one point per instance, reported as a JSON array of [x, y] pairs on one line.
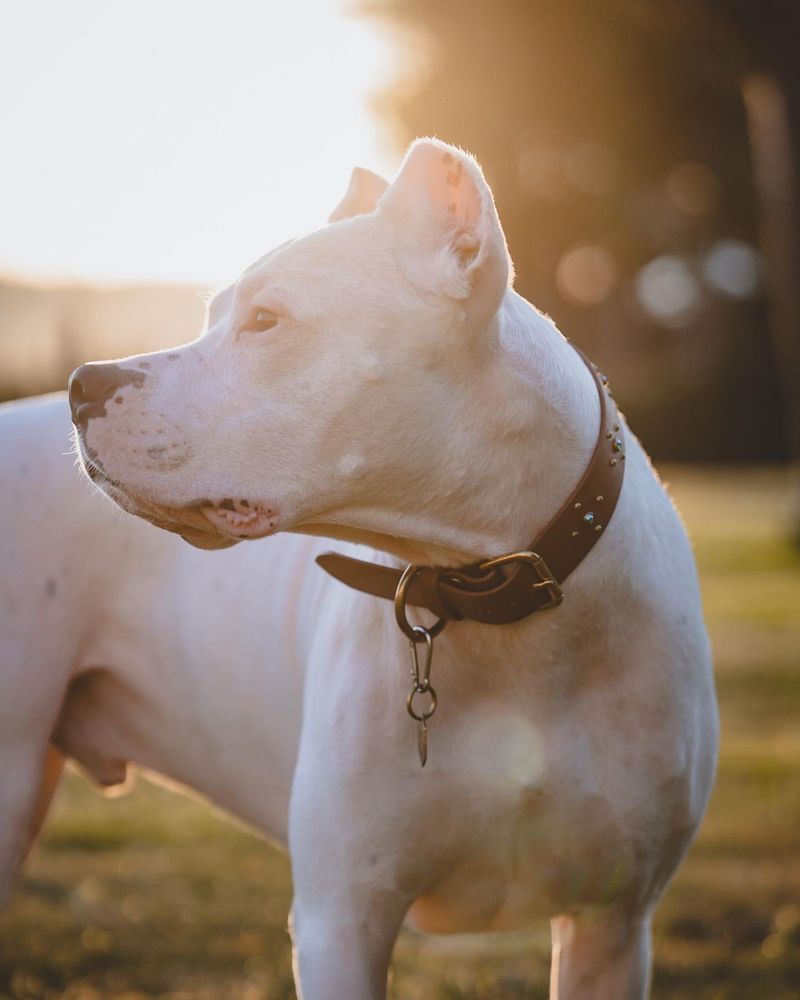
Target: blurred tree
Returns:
[[616, 139], [768, 34]]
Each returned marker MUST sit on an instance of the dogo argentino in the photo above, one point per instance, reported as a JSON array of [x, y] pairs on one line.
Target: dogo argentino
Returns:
[[377, 382]]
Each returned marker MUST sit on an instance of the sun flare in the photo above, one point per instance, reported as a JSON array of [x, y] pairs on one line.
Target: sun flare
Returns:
[[177, 141]]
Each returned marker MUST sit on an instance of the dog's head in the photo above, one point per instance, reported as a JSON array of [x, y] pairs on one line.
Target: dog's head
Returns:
[[338, 384]]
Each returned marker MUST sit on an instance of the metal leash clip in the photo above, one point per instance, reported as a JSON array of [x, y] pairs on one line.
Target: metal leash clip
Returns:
[[421, 676], [422, 685]]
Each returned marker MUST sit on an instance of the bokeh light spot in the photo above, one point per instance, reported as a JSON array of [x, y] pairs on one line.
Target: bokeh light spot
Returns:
[[586, 275], [731, 267], [540, 174], [668, 290], [592, 167]]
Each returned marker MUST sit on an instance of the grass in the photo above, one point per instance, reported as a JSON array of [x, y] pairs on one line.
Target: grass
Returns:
[[156, 896]]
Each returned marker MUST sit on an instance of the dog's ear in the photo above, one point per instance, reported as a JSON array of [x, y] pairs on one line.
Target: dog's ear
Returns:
[[361, 196], [450, 236]]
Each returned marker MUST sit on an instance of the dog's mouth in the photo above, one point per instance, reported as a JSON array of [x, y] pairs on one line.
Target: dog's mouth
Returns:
[[240, 519], [206, 524]]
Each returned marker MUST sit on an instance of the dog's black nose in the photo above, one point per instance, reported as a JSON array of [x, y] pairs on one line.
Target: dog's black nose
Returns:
[[90, 386]]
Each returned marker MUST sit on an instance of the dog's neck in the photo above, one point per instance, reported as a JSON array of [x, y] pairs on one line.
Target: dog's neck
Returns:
[[549, 390], [539, 421]]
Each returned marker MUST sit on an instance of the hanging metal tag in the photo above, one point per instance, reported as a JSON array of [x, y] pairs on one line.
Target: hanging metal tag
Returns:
[[417, 635], [422, 741], [421, 686]]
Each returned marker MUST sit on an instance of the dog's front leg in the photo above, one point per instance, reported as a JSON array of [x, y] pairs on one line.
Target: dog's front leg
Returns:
[[343, 942], [345, 917], [354, 864], [600, 956]]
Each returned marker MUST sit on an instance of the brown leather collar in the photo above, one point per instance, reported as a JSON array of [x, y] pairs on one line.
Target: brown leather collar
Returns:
[[510, 587]]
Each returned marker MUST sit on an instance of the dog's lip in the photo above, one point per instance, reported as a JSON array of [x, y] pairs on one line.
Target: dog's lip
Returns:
[[240, 519], [161, 515]]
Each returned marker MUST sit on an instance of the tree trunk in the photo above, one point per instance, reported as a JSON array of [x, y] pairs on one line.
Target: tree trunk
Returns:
[[775, 170]]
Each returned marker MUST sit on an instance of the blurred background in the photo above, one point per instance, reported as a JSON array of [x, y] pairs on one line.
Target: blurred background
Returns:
[[644, 157]]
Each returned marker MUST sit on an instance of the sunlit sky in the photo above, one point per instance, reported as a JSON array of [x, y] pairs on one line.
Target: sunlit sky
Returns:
[[178, 139]]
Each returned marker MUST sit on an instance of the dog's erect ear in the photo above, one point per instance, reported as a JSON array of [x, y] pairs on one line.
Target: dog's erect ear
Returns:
[[361, 196], [450, 236]]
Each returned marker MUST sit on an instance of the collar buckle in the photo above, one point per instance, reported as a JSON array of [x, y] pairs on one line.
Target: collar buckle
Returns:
[[545, 579]]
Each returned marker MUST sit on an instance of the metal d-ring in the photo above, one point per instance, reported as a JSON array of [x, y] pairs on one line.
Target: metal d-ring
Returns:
[[410, 631]]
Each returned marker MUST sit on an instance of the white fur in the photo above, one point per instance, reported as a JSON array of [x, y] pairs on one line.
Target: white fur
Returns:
[[411, 401]]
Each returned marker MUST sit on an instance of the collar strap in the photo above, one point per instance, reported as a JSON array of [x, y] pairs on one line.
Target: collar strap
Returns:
[[507, 588]]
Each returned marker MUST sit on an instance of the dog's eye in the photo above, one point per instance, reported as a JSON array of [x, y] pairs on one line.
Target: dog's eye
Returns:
[[263, 319]]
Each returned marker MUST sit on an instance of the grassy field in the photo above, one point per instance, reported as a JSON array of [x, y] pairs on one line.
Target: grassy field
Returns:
[[154, 895]]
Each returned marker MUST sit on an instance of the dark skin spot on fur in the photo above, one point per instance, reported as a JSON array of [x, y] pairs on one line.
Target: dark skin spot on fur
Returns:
[[447, 158], [51, 587], [245, 503], [118, 399], [227, 504]]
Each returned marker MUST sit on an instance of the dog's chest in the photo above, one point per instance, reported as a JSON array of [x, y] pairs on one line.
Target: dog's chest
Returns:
[[528, 832]]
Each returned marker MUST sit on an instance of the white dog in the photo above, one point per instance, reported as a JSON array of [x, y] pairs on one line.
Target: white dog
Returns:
[[377, 382]]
